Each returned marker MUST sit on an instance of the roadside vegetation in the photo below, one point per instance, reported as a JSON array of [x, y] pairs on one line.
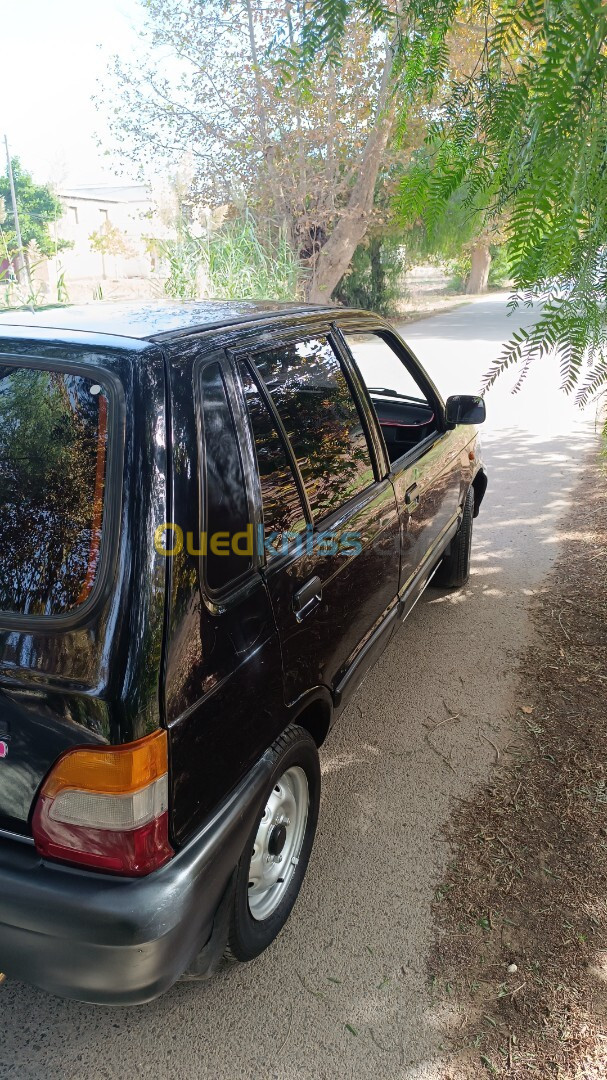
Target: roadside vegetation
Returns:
[[311, 153], [346, 139], [39, 210]]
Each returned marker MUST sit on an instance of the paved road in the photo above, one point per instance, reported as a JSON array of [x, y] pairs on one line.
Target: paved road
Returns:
[[343, 992]]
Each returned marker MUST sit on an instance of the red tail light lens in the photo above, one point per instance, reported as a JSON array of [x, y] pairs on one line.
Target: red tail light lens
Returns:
[[107, 808]]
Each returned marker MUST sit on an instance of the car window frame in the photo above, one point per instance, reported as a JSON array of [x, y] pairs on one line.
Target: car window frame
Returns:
[[273, 338], [112, 496], [245, 358], [218, 600], [412, 365]]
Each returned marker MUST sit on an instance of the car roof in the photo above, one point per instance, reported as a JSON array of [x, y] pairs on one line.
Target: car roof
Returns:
[[150, 319]]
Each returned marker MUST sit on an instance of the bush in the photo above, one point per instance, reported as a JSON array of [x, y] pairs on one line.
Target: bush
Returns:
[[239, 259], [373, 279]]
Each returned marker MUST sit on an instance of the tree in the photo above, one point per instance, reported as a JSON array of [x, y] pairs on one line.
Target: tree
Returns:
[[525, 131], [110, 240], [38, 209], [305, 154], [453, 233]]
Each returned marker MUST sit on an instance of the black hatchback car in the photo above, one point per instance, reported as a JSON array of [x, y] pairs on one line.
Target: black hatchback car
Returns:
[[212, 519]]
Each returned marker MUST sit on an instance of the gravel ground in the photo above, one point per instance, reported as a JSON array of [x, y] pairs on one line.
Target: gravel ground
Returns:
[[344, 991]]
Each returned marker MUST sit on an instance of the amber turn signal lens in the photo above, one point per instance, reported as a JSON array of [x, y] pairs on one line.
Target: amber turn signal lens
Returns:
[[113, 769]]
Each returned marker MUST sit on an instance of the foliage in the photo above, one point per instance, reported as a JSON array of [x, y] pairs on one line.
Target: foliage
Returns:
[[48, 447], [239, 259], [524, 131], [500, 272], [215, 87], [373, 280], [63, 296], [185, 258], [243, 260], [209, 86], [109, 240], [38, 210]]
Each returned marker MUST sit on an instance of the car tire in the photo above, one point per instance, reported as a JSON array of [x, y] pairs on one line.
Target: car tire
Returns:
[[454, 569], [274, 862]]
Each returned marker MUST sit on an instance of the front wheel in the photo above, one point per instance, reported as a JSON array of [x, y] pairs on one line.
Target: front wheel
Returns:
[[274, 862], [454, 569]]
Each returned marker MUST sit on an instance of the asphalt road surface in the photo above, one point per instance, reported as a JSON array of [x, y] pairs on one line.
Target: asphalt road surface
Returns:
[[343, 992]]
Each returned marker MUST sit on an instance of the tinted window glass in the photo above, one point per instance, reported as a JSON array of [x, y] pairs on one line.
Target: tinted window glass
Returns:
[[321, 419], [282, 508], [226, 511], [53, 445]]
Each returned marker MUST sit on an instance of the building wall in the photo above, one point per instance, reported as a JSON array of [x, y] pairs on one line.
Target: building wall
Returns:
[[87, 210]]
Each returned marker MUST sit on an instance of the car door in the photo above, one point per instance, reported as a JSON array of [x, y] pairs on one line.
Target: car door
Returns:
[[331, 529], [426, 459], [223, 688]]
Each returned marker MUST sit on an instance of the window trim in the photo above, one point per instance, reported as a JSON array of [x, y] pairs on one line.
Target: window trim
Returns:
[[112, 500], [219, 600], [415, 370], [268, 401], [295, 334]]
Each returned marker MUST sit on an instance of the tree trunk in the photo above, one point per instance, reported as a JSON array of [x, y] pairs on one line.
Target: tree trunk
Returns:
[[480, 262], [335, 256], [378, 277]]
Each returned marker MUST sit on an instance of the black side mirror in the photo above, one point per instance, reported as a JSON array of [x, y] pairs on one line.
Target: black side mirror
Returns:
[[465, 409]]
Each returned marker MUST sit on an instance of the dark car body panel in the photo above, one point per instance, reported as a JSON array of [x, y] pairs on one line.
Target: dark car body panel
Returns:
[[218, 652], [225, 673], [94, 676]]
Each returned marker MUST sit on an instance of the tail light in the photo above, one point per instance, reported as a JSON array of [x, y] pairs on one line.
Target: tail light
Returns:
[[107, 808]]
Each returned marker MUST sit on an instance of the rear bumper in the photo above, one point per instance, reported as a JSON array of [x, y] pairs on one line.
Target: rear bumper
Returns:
[[119, 941]]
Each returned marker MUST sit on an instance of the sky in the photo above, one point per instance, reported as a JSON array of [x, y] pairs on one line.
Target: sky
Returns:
[[53, 53]]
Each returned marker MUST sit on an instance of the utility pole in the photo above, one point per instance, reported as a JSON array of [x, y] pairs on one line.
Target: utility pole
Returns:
[[22, 262]]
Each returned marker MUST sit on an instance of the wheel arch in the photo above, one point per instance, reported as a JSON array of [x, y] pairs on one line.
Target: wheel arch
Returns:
[[316, 716], [479, 485]]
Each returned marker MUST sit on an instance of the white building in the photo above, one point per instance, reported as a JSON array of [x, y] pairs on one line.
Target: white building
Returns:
[[119, 213]]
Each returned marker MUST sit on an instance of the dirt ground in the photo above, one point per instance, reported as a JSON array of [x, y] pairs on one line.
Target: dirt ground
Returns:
[[427, 291], [522, 909]]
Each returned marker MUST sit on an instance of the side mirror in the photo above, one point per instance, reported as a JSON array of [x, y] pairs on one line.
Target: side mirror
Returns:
[[465, 409]]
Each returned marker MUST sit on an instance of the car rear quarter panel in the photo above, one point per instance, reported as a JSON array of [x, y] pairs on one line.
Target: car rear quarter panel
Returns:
[[94, 678]]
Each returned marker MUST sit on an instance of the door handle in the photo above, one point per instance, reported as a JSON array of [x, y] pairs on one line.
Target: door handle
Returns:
[[412, 496], [307, 597]]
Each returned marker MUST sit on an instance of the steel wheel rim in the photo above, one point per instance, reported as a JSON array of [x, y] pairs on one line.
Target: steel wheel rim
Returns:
[[278, 843]]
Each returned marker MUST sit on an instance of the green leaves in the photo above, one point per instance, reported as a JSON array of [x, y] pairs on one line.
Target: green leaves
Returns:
[[521, 140], [526, 137], [38, 208]]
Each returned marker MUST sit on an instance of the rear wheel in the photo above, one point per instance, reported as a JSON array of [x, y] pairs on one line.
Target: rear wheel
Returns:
[[274, 862], [454, 569]]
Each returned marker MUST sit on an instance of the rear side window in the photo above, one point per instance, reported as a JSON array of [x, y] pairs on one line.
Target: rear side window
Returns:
[[53, 455], [282, 508], [321, 420], [226, 517]]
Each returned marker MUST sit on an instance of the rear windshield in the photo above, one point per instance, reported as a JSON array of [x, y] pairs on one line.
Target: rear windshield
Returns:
[[53, 449]]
